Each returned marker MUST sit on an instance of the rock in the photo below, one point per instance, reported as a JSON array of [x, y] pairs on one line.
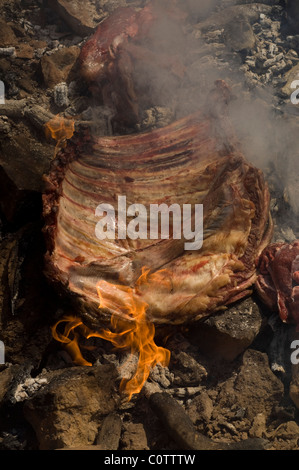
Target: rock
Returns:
[[239, 35], [288, 431], [10, 378], [292, 8], [56, 68], [293, 42], [226, 335], [255, 387], [6, 378], [7, 36], [199, 10], [201, 408], [250, 13], [84, 17], [134, 437], [67, 412], [258, 428], [25, 51], [188, 371], [81, 17], [23, 162]]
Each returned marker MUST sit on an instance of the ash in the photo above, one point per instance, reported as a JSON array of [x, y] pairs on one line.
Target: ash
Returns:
[[230, 376]]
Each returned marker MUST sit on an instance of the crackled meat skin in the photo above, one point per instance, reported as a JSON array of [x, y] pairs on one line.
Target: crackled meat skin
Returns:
[[195, 160], [278, 281]]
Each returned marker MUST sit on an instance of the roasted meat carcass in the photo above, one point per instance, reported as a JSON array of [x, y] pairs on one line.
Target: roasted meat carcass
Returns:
[[278, 280], [195, 160]]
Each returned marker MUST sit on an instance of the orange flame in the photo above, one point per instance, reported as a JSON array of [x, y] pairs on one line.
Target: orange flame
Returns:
[[135, 333], [60, 129]]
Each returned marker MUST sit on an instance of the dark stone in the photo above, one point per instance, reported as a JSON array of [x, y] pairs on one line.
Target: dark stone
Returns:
[[57, 67], [292, 8], [227, 334], [68, 410], [239, 35]]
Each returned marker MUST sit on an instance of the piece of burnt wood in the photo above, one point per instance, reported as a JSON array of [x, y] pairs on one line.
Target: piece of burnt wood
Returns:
[[17, 109], [109, 435], [13, 256], [35, 114], [25, 297]]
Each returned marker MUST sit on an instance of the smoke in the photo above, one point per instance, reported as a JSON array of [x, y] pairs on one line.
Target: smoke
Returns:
[[175, 67], [185, 75], [256, 125]]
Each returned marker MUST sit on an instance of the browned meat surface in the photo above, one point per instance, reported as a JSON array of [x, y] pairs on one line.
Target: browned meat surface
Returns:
[[278, 280], [121, 60], [192, 161]]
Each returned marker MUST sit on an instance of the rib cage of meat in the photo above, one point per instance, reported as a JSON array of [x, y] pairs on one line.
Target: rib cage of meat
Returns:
[[195, 160]]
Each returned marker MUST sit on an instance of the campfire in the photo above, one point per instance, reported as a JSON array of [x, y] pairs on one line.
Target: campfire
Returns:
[[221, 270], [149, 228], [136, 335]]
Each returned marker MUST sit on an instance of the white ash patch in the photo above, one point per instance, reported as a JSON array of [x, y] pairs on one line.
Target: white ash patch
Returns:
[[29, 387], [162, 376]]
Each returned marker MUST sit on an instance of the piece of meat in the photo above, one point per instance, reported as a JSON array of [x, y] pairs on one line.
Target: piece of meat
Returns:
[[278, 280], [195, 160], [128, 45]]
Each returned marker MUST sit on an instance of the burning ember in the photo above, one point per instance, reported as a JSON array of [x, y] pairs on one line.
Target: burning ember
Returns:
[[60, 129], [136, 335]]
